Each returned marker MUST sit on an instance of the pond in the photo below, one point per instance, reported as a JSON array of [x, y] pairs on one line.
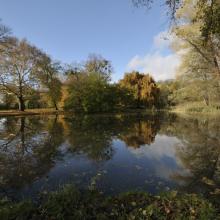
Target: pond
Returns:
[[110, 153]]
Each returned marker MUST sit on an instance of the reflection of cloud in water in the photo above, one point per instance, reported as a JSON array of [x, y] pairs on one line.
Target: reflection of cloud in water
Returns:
[[163, 146], [163, 154], [2, 121]]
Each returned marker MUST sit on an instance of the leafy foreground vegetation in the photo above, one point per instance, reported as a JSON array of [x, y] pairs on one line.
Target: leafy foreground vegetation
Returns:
[[70, 203]]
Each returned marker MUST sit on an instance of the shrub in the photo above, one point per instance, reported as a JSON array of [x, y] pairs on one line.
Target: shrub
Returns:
[[70, 203]]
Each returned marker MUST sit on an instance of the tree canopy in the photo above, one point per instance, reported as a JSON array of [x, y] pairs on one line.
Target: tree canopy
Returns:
[[19, 69], [143, 88]]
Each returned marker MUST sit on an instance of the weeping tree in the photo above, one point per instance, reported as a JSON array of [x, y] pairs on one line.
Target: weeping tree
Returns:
[[142, 87]]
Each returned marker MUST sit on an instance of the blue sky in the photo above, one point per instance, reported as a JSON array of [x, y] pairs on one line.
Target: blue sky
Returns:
[[70, 30]]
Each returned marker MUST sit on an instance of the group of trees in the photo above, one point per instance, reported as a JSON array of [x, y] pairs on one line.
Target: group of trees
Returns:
[[32, 79], [196, 29], [90, 89], [26, 72]]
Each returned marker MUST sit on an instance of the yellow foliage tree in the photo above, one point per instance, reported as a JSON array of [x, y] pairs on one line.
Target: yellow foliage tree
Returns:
[[143, 88]]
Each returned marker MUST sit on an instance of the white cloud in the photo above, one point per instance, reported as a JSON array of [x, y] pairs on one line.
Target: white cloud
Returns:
[[162, 40], [160, 66]]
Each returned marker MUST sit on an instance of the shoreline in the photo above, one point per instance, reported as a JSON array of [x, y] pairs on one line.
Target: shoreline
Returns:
[[129, 111], [30, 112], [53, 111]]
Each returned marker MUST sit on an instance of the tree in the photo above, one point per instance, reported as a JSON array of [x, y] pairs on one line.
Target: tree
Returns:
[[50, 80], [142, 87], [19, 69], [197, 27], [89, 88], [173, 5], [168, 93], [97, 64], [208, 11], [199, 70], [90, 93]]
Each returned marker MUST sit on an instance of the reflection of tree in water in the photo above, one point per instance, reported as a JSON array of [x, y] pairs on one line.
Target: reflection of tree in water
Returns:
[[140, 131], [91, 136], [28, 148], [30, 145], [199, 153]]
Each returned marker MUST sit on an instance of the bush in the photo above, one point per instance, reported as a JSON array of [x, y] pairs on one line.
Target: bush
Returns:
[[70, 203]]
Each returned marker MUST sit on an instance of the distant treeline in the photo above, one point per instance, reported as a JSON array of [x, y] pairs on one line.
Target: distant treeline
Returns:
[[31, 79]]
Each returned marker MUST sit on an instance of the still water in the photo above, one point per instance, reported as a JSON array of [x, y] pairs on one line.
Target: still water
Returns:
[[112, 154]]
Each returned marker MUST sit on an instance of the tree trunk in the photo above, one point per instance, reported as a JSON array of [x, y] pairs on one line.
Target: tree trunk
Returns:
[[55, 105], [21, 103]]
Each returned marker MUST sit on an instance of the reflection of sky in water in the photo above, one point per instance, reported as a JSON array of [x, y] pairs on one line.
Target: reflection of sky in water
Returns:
[[162, 153], [150, 168], [2, 121]]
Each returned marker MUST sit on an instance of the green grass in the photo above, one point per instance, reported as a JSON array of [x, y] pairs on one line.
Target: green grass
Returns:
[[70, 203]]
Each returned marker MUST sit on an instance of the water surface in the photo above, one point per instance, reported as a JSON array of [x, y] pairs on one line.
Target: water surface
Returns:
[[112, 154]]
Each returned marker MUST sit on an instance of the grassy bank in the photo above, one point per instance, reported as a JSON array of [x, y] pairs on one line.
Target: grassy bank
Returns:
[[29, 112], [53, 111], [197, 108], [189, 108], [70, 203]]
